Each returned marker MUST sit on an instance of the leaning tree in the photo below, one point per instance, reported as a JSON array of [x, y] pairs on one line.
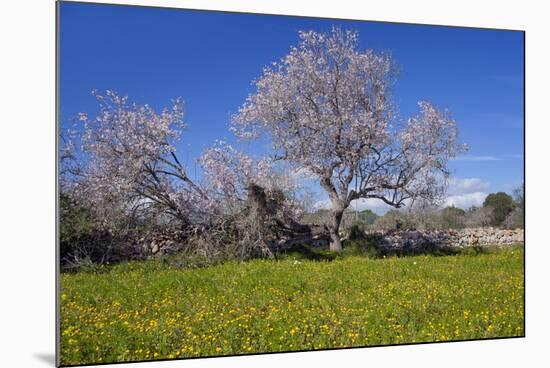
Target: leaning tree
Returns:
[[327, 108], [255, 203], [122, 163]]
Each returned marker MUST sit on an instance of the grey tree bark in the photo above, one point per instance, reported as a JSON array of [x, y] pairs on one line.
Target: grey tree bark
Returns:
[[334, 228]]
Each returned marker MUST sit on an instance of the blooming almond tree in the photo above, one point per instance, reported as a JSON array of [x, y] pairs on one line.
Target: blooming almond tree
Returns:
[[327, 108], [229, 175], [128, 163], [251, 196]]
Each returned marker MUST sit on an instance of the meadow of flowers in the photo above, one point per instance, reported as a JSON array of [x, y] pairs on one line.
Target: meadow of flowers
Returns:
[[148, 310]]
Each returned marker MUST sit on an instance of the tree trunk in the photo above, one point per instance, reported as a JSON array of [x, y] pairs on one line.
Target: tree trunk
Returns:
[[334, 229]]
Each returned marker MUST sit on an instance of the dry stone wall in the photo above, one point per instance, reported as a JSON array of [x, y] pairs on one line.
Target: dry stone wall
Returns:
[[410, 240], [414, 239]]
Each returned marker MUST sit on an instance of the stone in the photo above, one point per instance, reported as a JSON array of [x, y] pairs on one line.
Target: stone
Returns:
[[415, 239]]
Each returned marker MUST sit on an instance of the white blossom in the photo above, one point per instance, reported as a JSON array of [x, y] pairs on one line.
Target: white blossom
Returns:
[[129, 163], [327, 108]]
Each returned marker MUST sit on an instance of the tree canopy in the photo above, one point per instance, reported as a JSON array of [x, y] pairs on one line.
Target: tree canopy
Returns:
[[502, 205], [327, 108]]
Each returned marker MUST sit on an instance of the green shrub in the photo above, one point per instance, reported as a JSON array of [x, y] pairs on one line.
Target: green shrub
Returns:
[[502, 205], [357, 231], [452, 218], [363, 246], [81, 242]]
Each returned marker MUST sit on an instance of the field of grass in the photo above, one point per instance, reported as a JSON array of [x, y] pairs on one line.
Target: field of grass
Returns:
[[146, 310]]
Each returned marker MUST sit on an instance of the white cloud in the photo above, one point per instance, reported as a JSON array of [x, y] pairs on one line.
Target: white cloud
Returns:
[[466, 192], [477, 158], [466, 185], [466, 200]]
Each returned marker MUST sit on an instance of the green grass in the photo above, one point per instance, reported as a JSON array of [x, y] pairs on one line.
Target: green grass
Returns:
[[146, 310]]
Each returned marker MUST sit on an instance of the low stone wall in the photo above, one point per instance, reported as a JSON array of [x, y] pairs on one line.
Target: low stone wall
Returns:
[[408, 240], [141, 246], [412, 239]]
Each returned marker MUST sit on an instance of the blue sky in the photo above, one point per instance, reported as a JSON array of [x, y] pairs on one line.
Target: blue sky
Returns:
[[210, 58]]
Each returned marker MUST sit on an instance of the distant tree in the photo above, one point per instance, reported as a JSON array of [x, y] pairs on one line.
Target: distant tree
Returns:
[[471, 209], [452, 218], [516, 218], [519, 196], [479, 217], [320, 216], [367, 216], [360, 219], [395, 220], [502, 205], [425, 215], [327, 108]]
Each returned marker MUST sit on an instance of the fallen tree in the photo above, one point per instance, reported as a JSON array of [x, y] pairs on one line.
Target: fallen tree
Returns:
[[122, 168]]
